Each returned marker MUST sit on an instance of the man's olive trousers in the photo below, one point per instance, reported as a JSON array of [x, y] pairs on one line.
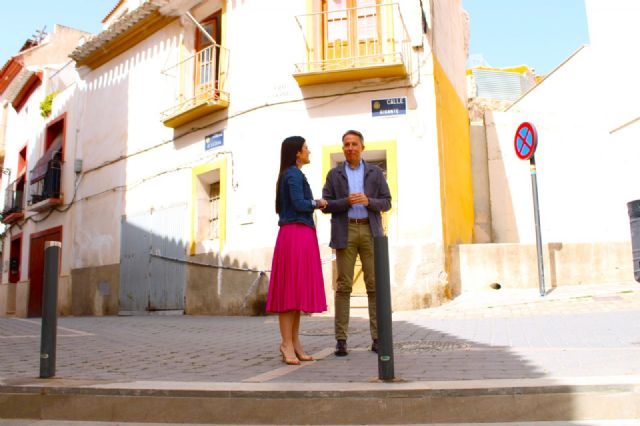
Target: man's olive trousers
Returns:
[[359, 242]]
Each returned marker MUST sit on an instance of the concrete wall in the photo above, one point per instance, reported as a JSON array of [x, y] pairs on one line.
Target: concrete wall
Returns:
[[479, 267], [95, 290]]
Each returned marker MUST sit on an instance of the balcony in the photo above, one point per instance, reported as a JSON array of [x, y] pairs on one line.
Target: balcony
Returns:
[[44, 188], [13, 210], [198, 84], [353, 44]]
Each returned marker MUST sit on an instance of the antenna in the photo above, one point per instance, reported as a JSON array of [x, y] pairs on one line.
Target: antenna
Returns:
[[39, 35]]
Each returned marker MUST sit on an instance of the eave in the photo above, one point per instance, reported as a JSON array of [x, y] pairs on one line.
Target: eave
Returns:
[[17, 85], [122, 35], [8, 73]]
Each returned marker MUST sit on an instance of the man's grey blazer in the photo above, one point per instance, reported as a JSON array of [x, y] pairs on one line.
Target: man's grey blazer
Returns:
[[336, 192]]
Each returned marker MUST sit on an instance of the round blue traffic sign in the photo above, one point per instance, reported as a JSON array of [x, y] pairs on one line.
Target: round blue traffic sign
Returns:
[[525, 141]]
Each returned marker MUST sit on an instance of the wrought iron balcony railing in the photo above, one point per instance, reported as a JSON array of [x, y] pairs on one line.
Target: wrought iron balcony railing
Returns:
[[46, 186], [353, 43], [13, 198], [198, 84]]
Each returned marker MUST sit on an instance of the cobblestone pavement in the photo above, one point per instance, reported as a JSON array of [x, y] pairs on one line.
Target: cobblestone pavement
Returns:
[[581, 331]]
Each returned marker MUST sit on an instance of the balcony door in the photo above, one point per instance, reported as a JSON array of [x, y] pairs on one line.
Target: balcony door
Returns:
[[352, 32], [207, 57]]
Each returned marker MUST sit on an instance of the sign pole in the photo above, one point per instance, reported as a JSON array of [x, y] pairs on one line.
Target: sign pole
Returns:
[[536, 214], [525, 143], [383, 307], [48, 335]]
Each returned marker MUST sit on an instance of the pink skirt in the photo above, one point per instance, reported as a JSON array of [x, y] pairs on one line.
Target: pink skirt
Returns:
[[296, 282]]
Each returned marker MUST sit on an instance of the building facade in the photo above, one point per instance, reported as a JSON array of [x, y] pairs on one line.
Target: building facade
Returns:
[[172, 131]]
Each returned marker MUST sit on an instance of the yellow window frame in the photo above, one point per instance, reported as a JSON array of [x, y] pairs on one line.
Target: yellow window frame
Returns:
[[391, 155], [221, 166]]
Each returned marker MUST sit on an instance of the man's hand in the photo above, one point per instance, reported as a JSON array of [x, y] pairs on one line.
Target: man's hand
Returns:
[[358, 198], [321, 203]]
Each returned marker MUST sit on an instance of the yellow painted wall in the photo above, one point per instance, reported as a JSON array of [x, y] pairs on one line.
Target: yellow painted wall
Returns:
[[454, 152]]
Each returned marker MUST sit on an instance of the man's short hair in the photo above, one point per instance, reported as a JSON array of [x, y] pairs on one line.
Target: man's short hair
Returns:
[[355, 133]]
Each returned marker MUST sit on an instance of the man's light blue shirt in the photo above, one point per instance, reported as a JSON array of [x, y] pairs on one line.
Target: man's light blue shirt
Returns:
[[355, 177]]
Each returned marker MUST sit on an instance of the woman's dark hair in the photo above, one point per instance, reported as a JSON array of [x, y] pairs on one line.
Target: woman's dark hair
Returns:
[[290, 147]]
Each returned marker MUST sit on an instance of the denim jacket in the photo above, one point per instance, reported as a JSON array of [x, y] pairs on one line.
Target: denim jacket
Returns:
[[296, 199]]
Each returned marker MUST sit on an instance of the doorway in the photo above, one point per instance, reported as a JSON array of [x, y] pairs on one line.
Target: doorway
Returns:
[[36, 268], [15, 259]]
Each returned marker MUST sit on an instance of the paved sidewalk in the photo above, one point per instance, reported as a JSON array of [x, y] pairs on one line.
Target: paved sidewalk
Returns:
[[573, 332]]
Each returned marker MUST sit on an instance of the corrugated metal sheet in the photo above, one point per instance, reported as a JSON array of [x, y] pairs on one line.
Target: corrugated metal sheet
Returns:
[[168, 279], [135, 275], [499, 84], [153, 283]]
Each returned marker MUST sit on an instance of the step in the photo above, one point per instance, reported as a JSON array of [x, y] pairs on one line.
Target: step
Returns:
[[14, 422], [469, 401]]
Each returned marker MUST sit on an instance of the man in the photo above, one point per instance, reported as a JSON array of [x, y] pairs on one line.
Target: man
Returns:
[[356, 194]]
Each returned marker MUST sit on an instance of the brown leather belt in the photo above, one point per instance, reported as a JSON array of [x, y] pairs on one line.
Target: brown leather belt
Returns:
[[358, 221]]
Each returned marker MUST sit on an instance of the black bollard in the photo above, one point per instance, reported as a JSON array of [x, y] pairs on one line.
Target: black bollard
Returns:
[[383, 308], [49, 309]]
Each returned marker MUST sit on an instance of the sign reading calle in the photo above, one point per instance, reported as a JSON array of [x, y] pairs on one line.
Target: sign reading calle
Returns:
[[390, 106], [213, 141]]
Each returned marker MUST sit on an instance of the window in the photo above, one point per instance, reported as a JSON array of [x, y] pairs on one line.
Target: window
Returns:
[[351, 29], [22, 161], [208, 216], [214, 212], [208, 56]]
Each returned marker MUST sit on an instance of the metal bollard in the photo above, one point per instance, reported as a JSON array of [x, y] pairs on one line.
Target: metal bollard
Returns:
[[49, 309], [383, 308]]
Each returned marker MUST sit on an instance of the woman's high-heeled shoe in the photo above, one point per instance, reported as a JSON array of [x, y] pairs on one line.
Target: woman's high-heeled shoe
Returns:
[[289, 361], [304, 357]]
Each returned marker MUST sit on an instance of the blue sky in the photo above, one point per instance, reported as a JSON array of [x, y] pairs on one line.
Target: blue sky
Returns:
[[20, 19], [538, 33]]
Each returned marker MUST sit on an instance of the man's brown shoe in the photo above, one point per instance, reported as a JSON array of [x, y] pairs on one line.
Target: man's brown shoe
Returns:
[[341, 348], [374, 346]]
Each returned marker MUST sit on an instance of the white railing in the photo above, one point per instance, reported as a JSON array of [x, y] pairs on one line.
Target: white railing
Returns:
[[198, 80], [354, 38]]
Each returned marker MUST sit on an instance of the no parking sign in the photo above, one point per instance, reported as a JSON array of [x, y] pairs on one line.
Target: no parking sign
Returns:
[[525, 141]]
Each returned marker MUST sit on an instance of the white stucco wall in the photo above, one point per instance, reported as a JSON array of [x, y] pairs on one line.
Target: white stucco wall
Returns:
[[587, 164]]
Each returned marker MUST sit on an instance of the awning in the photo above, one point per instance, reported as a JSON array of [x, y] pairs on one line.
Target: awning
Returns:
[[40, 170]]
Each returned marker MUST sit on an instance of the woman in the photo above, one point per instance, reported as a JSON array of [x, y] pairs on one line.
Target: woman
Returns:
[[296, 282]]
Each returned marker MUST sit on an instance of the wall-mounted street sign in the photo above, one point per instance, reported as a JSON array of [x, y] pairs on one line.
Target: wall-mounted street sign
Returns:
[[390, 106], [525, 141], [213, 141]]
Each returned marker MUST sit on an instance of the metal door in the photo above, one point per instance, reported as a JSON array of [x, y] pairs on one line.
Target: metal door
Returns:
[[168, 248], [152, 254], [135, 259]]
